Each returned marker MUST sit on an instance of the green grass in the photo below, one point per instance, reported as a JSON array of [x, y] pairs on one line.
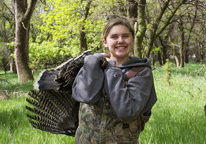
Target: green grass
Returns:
[[14, 124], [177, 118], [15, 128]]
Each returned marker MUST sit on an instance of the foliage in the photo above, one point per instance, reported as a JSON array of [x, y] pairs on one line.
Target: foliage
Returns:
[[46, 53], [6, 21], [59, 22], [63, 20], [60, 26]]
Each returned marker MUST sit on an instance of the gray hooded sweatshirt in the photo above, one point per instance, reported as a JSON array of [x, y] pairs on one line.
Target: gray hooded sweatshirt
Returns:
[[128, 101]]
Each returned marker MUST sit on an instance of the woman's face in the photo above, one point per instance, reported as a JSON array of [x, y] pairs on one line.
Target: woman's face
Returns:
[[119, 41]]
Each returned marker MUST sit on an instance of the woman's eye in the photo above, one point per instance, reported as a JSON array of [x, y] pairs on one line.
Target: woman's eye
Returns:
[[113, 36], [125, 36]]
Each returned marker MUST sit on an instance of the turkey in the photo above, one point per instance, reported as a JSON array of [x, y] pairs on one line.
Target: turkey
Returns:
[[52, 107]]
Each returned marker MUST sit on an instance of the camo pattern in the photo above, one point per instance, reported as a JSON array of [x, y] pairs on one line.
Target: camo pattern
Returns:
[[99, 125]]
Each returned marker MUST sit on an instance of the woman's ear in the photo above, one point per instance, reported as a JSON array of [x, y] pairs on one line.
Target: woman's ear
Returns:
[[104, 42]]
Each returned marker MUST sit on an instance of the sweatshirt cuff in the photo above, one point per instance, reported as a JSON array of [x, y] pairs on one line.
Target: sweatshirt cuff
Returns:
[[98, 55]]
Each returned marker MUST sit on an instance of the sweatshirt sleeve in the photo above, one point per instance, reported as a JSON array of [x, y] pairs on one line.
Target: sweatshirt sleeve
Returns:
[[88, 82], [131, 100]]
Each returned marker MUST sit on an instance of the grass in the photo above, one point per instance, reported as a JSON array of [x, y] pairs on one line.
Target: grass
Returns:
[[177, 117], [14, 125]]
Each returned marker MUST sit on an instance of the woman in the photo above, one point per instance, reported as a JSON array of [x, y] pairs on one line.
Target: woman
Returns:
[[112, 111]]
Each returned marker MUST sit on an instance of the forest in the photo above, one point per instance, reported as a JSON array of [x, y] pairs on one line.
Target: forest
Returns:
[[41, 34]]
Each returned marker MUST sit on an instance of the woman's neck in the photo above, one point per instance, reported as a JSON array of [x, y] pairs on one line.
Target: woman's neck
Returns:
[[120, 61]]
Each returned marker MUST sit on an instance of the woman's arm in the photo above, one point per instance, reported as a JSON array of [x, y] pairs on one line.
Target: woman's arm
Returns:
[[134, 99], [89, 80]]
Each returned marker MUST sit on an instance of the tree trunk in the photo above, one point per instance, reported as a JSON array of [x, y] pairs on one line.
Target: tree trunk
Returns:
[[186, 55], [202, 52], [190, 31], [153, 58], [182, 44], [83, 40], [159, 57], [164, 54], [164, 50], [12, 65], [132, 11], [197, 55], [22, 19], [141, 29], [175, 56]]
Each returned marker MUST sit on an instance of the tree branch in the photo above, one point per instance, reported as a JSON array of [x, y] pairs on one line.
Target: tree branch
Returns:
[[8, 8], [162, 12], [30, 10], [168, 20], [43, 2], [193, 23]]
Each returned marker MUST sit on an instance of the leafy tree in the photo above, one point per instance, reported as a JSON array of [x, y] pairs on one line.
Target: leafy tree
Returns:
[[70, 27], [7, 32], [73, 24], [157, 26]]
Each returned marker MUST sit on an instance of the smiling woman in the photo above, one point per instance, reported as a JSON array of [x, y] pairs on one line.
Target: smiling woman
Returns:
[[112, 108], [120, 42], [119, 38]]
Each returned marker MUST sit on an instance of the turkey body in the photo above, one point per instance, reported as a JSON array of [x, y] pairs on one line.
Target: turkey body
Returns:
[[52, 108]]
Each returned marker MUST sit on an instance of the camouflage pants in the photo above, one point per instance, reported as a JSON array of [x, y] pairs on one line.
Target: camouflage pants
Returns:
[[99, 125], [120, 134], [91, 138]]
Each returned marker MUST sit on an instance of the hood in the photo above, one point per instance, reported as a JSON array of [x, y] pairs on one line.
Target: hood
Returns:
[[134, 62]]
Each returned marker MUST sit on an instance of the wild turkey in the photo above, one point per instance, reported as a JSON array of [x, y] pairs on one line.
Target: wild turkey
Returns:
[[54, 110]]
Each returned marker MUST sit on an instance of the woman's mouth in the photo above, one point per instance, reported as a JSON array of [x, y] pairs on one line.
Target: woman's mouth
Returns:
[[121, 48]]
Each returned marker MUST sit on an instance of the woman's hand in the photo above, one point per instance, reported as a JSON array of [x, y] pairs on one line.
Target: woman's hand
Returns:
[[107, 56]]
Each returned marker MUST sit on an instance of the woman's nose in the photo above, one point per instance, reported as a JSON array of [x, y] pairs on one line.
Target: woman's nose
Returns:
[[120, 40]]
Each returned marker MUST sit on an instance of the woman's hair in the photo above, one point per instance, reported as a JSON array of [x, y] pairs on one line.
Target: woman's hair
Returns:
[[115, 22]]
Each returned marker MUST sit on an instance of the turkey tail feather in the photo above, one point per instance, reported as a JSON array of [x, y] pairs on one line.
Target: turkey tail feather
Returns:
[[56, 111]]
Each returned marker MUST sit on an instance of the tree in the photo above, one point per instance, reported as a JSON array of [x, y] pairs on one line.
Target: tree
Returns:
[[141, 29], [182, 35], [132, 11], [136, 16], [157, 26], [23, 13], [74, 26], [7, 32], [83, 40]]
